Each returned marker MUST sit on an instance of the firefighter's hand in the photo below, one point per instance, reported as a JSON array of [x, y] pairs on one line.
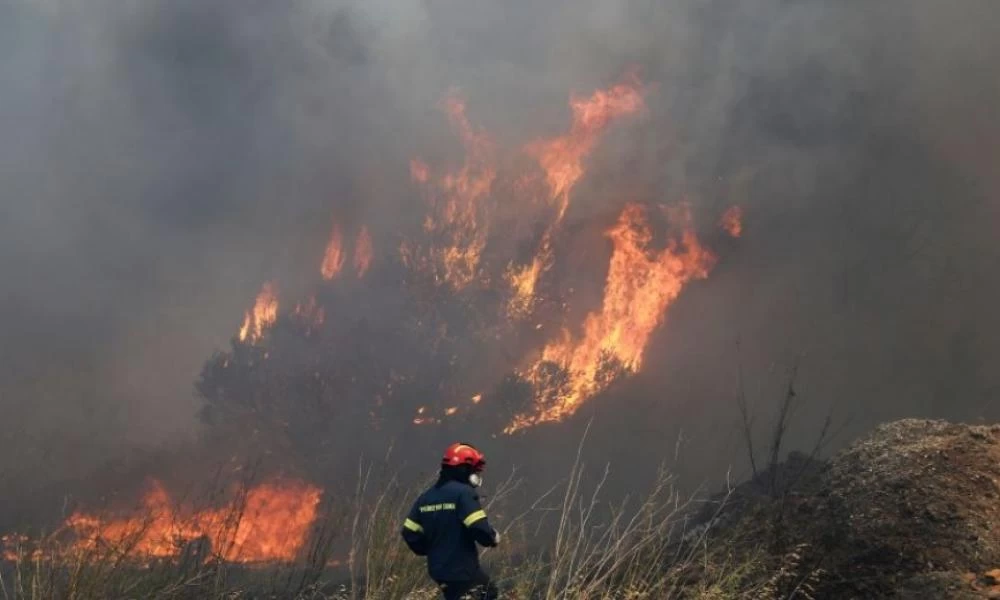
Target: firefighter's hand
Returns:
[[496, 537]]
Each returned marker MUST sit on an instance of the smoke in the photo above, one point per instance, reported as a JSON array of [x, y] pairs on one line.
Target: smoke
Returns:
[[161, 159]]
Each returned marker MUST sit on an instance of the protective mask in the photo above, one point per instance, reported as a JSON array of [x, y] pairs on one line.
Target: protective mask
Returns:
[[475, 480]]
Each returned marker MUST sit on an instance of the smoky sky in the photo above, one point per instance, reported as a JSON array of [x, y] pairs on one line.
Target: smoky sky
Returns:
[[160, 159]]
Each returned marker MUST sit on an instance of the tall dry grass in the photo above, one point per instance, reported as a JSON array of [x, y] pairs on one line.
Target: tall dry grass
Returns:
[[567, 544]]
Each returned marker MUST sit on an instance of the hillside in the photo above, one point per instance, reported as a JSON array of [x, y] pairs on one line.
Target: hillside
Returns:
[[910, 511]]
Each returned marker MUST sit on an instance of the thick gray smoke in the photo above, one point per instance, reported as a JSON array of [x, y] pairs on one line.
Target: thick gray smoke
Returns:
[[160, 159]]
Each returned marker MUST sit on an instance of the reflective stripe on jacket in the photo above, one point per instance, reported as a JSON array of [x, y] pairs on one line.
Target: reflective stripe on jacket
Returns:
[[444, 525]]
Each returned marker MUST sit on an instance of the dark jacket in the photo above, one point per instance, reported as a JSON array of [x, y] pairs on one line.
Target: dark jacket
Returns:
[[444, 525]]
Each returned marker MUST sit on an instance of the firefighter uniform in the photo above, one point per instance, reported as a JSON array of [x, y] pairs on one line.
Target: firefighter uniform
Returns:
[[444, 525]]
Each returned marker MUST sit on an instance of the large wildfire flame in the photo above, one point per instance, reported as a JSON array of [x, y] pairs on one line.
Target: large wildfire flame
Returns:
[[269, 523], [641, 283], [461, 254], [562, 160]]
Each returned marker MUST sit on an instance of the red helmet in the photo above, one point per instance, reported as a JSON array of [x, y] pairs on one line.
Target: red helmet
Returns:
[[464, 454]]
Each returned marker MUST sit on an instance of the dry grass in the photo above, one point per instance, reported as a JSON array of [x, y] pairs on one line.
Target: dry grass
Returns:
[[568, 544]]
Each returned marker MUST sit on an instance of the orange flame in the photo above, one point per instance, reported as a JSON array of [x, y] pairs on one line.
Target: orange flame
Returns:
[[17, 546], [641, 283], [732, 221], [271, 523], [640, 286], [458, 213], [263, 315], [333, 258], [363, 252], [562, 160], [524, 280]]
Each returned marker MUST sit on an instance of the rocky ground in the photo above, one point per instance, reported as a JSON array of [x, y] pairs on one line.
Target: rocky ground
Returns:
[[911, 511]]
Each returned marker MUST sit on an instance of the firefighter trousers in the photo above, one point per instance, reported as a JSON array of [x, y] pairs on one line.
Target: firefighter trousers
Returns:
[[480, 588]]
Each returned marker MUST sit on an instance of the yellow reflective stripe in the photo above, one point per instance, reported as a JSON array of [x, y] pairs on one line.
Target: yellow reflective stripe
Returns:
[[479, 515], [413, 526]]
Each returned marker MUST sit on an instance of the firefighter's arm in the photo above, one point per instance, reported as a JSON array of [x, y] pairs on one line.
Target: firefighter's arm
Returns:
[[413, 533], [474, 518]]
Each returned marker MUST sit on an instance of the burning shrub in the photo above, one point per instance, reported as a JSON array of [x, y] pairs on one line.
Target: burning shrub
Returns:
[[453, 327]]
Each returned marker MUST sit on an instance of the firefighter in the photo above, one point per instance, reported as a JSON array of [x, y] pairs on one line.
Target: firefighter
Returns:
[[447, 521]]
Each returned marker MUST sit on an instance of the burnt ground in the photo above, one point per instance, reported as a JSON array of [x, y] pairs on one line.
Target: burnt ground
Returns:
[[911, 511]]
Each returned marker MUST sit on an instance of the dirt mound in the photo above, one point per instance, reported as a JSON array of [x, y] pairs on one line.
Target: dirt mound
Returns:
[[911, 511]]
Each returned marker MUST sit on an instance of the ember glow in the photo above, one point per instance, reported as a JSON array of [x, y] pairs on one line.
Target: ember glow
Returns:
[[422, 419], [363, 252], [311, 312], [419, 172], [271, 523], [262, 316], [732, 221]]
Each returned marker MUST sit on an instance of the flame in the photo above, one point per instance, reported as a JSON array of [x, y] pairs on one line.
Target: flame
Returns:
[[263, 315], [333, 258], [524, 280], [640, 286], [270, 524], [311, 312], [363, 252], [641, 282], [562, 159], [458, 215], [16, 546], [732, 221]]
